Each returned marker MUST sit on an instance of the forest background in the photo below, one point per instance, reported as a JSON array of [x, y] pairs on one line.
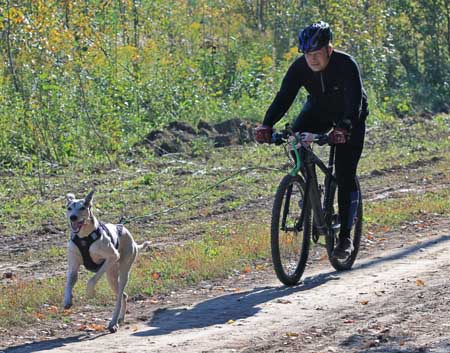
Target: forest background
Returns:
[[87, 80]]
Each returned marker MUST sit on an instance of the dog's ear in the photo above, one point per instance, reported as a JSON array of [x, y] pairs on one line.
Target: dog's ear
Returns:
[[70, 197], [88, 199]]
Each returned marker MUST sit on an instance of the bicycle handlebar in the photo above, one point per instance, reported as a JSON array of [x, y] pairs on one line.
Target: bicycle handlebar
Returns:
[[278, 138]]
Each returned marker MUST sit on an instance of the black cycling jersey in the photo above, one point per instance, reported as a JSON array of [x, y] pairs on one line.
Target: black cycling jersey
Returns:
[[337, 90]]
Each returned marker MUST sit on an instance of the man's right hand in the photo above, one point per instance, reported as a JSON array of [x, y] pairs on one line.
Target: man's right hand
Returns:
[[263, 134]]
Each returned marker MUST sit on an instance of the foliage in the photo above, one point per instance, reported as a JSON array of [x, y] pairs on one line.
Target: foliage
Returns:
[[87, 80]]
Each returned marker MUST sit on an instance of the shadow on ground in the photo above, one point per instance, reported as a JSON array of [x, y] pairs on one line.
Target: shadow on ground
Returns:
[[236, 306], [49, 345], [220, 310]]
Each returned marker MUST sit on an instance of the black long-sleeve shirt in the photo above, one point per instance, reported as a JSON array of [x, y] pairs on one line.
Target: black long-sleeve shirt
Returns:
[[337, 89]]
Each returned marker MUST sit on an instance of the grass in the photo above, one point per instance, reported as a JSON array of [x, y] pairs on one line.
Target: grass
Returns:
[[195, 245], [395, 212]]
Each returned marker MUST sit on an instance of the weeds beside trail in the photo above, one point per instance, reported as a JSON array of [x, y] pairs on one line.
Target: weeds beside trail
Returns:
[[224, 232]]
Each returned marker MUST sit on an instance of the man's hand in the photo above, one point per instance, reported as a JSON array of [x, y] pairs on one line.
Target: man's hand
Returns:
[[263, 134], [338, 136]]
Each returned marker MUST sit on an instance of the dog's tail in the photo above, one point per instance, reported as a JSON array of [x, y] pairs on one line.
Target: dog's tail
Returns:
[[144, 245]]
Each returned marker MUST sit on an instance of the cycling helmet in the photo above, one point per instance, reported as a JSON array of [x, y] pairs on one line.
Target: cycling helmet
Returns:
[[314, 37]]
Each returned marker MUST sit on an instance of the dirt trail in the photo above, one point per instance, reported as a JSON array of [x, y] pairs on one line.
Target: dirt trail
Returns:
[[396, 301]]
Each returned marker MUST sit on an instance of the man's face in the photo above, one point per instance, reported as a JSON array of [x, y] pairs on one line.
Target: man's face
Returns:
[[317, 60]]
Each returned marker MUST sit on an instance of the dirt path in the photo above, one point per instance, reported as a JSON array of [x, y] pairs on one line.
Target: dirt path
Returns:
[[396, 301]]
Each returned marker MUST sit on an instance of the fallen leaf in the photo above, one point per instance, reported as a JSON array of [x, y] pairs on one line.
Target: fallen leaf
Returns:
[[247, 269], [349, 321], [156, 275], [229, 322], [52, 309], [135, 328], [420, 283], [292, 334], [364, 302], [92, 327], [39, 316], [284, 301], [154, 301]]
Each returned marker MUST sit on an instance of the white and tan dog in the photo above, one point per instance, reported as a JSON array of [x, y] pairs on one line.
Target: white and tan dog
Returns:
[[101, 248]]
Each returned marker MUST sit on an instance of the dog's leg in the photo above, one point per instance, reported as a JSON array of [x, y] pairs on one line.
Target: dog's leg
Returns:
[[72, 277], [123, 308], [113, 279], [90, 287], [74, 262], [125, 264], [105, 250]]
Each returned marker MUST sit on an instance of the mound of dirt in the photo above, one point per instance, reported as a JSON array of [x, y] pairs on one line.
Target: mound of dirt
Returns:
[[178, 137]]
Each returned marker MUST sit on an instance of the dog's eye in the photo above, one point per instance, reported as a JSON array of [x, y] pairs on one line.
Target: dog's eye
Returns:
[[82, 208], [69, 208]]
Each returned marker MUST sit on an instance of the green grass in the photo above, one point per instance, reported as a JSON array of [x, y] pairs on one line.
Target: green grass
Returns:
[[412, 207]]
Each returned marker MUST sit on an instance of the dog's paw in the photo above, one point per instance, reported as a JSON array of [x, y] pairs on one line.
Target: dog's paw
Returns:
[[113, 328], [67, 305]]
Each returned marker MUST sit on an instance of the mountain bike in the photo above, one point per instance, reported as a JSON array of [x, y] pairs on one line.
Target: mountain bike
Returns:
[[305, 210]]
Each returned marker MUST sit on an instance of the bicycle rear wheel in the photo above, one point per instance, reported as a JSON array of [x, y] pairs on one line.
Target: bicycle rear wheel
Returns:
[[332, 217], [290, 230]]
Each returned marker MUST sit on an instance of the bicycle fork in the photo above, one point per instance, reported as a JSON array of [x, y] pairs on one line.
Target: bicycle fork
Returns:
[[313, 200]]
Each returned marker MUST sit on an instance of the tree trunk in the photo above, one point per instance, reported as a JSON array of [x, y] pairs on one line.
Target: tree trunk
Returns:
[[448, 26], [12, 69], [123, 19], [260, 14], [66, 14], [136, 23]]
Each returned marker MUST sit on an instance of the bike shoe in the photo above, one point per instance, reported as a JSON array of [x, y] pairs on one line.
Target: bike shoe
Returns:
[[343, 249]]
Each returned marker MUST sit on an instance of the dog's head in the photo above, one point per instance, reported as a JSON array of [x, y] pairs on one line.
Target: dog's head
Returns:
[[79, 211]]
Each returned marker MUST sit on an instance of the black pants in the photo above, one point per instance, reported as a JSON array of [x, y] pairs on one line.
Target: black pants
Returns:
[[315, 119]]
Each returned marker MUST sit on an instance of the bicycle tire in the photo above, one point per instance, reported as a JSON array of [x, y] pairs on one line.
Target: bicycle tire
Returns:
[[291, 243], [331, 239]]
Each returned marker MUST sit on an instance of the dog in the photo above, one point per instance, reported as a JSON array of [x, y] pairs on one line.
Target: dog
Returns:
[[101, 248]]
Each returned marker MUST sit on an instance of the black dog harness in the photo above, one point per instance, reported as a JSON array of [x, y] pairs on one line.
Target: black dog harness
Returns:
[[85, 243]]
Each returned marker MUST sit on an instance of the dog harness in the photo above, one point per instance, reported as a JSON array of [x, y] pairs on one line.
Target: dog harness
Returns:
[[85, 243]]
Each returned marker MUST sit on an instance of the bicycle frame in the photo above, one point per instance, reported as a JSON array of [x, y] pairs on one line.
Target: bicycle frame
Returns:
[[306, 162], [300, 217]]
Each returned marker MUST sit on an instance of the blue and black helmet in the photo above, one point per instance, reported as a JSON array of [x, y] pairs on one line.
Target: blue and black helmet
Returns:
[[314, 37]]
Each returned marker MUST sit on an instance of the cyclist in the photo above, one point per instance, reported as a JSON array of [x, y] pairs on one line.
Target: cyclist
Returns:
[[337, 101]]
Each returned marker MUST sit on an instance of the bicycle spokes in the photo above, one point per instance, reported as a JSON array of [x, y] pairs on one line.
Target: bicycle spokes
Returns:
[[290, 243]]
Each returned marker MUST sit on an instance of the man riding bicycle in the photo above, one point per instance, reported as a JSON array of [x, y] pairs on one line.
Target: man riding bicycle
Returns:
[[337, 101]]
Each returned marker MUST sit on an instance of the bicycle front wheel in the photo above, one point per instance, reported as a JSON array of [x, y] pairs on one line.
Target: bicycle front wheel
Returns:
[[291, 230]]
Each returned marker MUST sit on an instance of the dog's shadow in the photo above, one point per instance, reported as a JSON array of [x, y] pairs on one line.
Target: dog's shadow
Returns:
[[220, 310], [50, 344]]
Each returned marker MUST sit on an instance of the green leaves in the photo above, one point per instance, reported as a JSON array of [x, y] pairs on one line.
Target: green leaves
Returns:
[[85, 82]]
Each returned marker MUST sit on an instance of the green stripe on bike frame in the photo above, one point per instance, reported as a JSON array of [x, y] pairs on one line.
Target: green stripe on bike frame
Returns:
[[295, 170]]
